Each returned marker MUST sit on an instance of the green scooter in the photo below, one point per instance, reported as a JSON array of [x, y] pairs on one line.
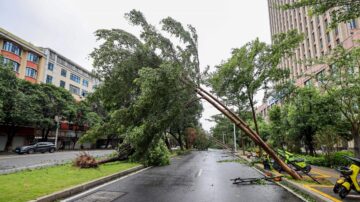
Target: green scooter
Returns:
[[298, 164]]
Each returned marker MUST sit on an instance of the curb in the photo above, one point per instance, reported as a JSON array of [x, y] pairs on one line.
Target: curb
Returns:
[[85, 186], [294, 186]]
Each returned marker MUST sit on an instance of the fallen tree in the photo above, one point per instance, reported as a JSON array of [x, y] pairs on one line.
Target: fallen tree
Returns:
[[158, 81]]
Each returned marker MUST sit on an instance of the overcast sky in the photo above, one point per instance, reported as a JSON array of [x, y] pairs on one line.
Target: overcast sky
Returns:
[[67, 26]]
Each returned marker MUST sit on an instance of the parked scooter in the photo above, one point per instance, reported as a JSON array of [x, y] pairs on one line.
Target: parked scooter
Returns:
[[348, 178], [299, 164]]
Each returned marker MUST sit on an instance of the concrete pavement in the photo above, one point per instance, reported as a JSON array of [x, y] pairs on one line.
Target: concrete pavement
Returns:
[[14, 162], [327, 177], [198, 176]]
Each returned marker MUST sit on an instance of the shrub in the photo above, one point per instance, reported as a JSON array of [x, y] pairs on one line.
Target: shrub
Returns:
[[202, 142], [158, 155], [335, 159], [85, 160]]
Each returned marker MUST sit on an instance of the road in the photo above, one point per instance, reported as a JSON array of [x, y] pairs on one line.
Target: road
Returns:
[[195, 177], [11, 163]]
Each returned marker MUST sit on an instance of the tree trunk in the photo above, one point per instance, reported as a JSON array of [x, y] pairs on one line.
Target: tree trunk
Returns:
[[124, 152], [47, 134], [255, 121], [178, 139], [43, 133], [107, 141], [166, 140], [245, 128], [11, 134], [181, 142], [356, 135]]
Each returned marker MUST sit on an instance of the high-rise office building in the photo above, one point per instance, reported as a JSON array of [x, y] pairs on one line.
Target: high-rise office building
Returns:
[[319, 40]]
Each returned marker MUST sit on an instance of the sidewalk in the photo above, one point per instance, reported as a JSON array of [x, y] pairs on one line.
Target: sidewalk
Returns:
[[321, 192]]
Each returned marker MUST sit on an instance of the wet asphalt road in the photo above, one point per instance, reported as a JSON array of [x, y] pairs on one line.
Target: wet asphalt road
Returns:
[[9, 163], [195, 177]]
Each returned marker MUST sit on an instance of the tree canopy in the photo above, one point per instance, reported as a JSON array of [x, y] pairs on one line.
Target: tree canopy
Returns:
[[340, 11], [142, 86]]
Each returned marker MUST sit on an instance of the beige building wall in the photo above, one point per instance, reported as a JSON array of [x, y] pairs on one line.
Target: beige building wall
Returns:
[[22, 59], [319, 40]]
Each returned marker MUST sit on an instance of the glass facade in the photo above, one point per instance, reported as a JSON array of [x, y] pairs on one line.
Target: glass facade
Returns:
[[85, 83], [63, 72], [13, 64], [30, 72], [11, 47], [33, 57], [49, 79], [62, 84], [75, 78], [74, 90], [51, 66]]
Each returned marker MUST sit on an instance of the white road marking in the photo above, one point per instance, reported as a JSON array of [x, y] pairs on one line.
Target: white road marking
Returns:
[[82, 194], [199, 173]]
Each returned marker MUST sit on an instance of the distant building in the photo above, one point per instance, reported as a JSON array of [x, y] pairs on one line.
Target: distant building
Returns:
[[62, 72], [319, 41], [44, 65], [26, 59]]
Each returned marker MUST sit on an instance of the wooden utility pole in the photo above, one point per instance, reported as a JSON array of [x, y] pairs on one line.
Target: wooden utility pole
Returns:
[[245, 128]]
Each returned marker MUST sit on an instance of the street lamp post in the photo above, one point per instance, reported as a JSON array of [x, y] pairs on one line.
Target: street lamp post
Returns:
[[57, 130], [234, 138]]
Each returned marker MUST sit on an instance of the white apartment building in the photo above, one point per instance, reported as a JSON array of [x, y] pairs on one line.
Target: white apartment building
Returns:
[[62, 72]]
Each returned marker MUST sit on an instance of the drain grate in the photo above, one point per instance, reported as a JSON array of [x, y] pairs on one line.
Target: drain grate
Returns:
[[101, 196]]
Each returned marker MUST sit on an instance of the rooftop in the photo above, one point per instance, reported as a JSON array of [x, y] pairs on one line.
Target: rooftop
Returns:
[[27, 45]]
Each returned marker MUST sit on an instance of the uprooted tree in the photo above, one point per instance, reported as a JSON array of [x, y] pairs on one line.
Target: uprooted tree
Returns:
[[149, 81]]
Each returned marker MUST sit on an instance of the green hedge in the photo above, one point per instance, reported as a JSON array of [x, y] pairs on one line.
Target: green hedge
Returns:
[[333, 160]]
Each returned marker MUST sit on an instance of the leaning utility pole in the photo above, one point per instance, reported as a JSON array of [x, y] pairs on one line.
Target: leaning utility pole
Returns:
[[244, 127]]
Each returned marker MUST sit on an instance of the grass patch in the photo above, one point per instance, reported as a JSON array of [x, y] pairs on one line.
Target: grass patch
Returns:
[[241, 161], [304, 195], [31, 184]]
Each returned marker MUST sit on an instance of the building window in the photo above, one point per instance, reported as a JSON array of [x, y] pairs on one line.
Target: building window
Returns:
[[328, 37], [8, 46], [84, 93], [62, 84], [51, 66], [321, 44], [337, 41], [49, 79], [74, 90], [61, 61], [75, 78], [320, 77], [63, 72], [85, 83], [352, 24], [33, 57], [52, 56], [336, 30], [13, 64], [30, 72]]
